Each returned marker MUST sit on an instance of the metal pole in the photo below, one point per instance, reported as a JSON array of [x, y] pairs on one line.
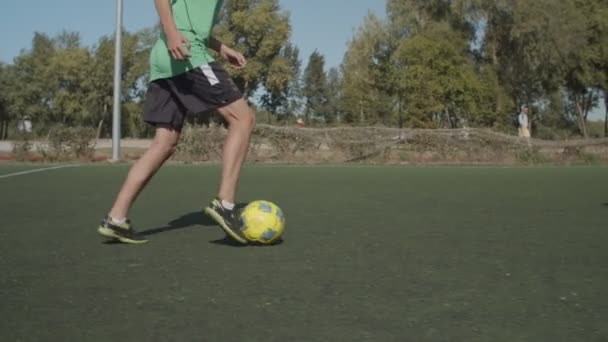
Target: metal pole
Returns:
[[117, 77]]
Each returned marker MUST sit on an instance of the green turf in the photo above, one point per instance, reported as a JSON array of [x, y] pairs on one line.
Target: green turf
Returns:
[[370, 254]]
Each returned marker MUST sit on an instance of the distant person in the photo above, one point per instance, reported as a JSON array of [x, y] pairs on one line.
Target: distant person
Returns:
[[186, 79], [300, 123], [25, 125], [522, 120]]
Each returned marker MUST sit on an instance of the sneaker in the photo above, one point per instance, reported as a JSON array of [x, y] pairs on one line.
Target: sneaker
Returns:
[[229, 220], [122, 232]]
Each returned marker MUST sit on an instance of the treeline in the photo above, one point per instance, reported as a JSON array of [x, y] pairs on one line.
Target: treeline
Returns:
[[429, 64]]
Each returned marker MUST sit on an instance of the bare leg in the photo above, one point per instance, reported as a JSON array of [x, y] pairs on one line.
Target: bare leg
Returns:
[[163, 146], [241, 120]]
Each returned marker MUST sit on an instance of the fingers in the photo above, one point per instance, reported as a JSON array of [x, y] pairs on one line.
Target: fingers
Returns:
[[186, 42], [237, 60], [184, 51], [179, 47], [176, 53], [241, 60], [180, 52]]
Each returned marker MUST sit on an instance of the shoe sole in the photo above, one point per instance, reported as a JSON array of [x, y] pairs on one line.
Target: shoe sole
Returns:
[[109, 233], [220, 220]]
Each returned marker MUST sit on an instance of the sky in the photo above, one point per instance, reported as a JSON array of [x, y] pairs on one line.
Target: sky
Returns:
[[325, 25]]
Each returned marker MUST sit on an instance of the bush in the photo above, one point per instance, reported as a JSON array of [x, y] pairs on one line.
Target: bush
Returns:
[[133, 124], [66, 143], [530, 155], [577, 154], [595, 129], [378, 145], [283, 143], [22, 146], [550, 133], [200, 144]]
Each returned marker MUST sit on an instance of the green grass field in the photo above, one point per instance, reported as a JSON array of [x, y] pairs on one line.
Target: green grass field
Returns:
[[370, 254]]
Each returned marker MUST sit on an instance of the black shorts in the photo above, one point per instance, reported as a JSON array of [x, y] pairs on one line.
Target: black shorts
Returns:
[[169, 101]]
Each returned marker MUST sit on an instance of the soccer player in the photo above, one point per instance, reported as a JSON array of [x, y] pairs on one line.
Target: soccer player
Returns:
[[185, 79]]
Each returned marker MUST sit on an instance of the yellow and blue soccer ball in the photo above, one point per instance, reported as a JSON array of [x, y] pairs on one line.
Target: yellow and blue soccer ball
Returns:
[[263, 222]]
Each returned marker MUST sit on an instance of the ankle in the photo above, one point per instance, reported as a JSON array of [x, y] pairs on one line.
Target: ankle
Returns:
[[117, 218], [227, 204]]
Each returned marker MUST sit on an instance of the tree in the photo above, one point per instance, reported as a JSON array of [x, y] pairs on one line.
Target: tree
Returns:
[[315, 85], [100, 83], [282, 83], [540, 48], [260, 31], [5, 74], [436, 79], [365, 74], [66, 76], [567, 31], [293, 92], [49, 79], [59, 81], [332, 110], [417, 68], [31, 70], [598, 23], [409, 17]]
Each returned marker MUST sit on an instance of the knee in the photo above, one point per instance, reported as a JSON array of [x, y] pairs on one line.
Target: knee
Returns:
[[250, 120], [170, 148], [166, 147], [245, 120]]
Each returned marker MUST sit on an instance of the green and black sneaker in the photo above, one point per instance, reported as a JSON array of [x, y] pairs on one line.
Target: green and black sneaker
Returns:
[[229, 220], [121, 232]]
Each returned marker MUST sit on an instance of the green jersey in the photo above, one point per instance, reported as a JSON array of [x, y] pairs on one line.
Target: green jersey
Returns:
[[195, 20]]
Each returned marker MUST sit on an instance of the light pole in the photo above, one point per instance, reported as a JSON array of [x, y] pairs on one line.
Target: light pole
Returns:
[[117, 77]]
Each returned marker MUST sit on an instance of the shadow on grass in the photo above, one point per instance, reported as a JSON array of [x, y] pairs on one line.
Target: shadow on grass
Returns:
[[196, 218], [231, 243]]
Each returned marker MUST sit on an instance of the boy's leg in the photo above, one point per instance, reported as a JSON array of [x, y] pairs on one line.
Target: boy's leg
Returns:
[[116, 225], [241, 121], [162, 147]]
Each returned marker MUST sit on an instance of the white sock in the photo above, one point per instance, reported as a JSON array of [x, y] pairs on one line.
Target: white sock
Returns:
[[227, 205], [119, 220]]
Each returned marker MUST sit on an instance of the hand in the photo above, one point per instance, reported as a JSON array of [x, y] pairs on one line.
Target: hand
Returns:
[[233, 57], [179, 46]]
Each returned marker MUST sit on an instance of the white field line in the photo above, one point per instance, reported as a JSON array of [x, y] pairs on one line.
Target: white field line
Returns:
[[27, 172]]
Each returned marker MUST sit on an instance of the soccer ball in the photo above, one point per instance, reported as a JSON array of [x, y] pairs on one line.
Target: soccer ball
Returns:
[[263, 222]]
